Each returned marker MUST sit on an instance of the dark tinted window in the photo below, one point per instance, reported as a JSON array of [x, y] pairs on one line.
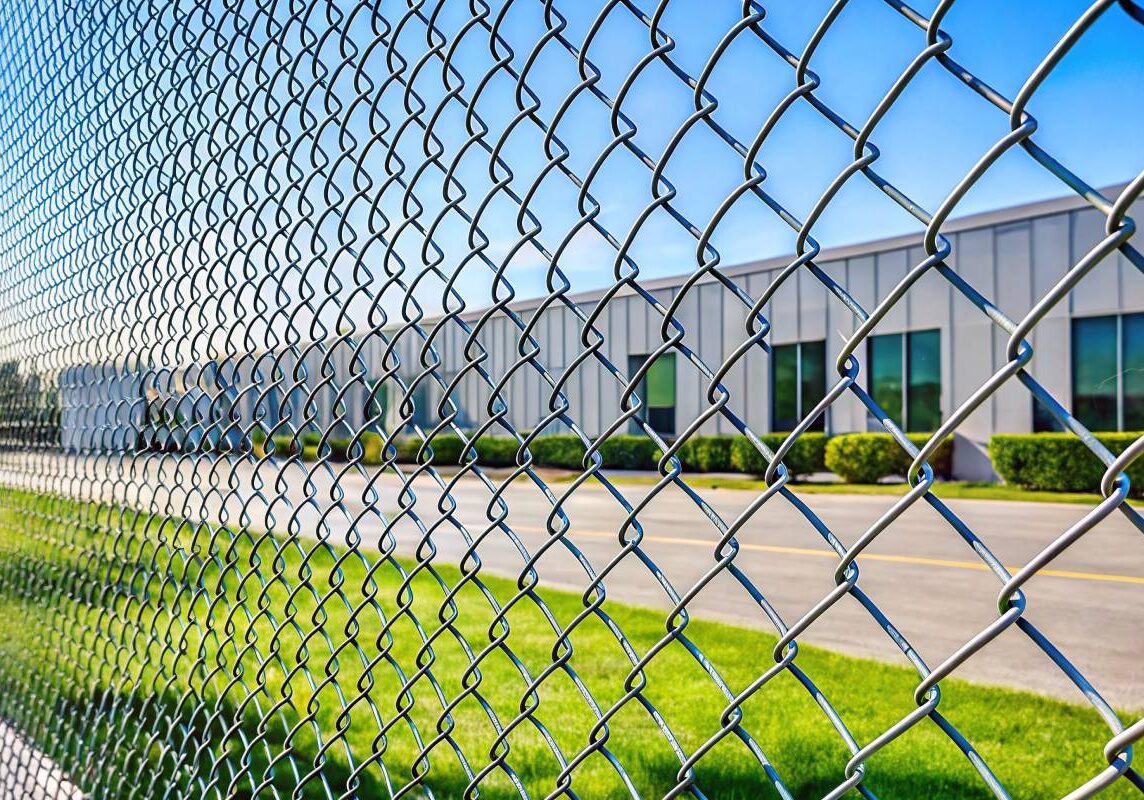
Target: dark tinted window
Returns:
[[784, 387], [923, 366], [1132, 336], [885, 381], [1094, 382]]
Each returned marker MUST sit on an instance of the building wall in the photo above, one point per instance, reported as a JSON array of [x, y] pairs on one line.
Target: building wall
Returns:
[[1013, 257]]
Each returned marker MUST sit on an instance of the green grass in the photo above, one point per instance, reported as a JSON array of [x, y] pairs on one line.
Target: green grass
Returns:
[[947, 490], [114, 625]]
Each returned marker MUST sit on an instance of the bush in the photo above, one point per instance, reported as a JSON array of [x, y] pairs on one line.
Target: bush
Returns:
[[283, 445], [446, 449], [869, 457], [339, 448], [407, 447], [707, 454], [808, 454], [310, 438], [497, 451], [558, 450], [310, 452], [941, 460], [630, 452], [1059, 462], [371, 445]]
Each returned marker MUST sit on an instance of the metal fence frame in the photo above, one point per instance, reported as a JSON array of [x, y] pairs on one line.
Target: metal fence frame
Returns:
[[187, 207]]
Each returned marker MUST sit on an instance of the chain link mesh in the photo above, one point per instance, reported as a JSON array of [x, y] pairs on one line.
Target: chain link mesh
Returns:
[[240, 241]]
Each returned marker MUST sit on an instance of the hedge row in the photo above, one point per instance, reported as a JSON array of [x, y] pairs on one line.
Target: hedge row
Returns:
[[857, 458], [869, 457], [881, 458], [1059, 462]]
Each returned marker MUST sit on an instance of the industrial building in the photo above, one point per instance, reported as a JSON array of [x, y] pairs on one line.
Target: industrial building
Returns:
[[923, 360]]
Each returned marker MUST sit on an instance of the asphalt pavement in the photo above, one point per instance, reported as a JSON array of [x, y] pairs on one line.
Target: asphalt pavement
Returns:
[[926, 579]]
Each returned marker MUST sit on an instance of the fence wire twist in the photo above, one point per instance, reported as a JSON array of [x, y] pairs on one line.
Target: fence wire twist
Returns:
[[224, 574]]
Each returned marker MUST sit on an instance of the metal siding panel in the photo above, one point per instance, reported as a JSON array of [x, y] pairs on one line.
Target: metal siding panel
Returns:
[[861, 281], [844, 414], [688, 382], [710, 345], [784, 312], [571, 335], [1051, 366], [1012, 407], [972, 348], [1050, 257], [617, 349], [638, 331], [732, 316], [1092, 296], [812, 301], [891, 268], [756, 369]]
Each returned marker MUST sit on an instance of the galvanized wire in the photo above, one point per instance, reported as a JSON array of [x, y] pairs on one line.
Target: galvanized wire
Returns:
[[222, 222]]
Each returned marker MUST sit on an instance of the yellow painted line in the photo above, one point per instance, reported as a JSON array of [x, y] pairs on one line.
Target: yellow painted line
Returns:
[[922, 561]]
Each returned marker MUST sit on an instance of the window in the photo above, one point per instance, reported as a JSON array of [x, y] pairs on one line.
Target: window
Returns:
[[905, 378], [798, 384], [656, 392], [419, 397], [1108, 372]]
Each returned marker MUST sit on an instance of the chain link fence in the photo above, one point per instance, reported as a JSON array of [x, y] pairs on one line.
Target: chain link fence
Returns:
[[252, 250]]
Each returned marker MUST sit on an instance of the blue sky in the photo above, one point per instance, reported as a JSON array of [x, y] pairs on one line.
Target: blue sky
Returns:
[[1091, 115]]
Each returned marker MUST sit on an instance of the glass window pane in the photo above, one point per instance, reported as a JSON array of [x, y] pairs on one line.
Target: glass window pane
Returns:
[[1094, 372], [662, 420], [885, 381], [923, 395], [420, 399], [635, 363], [784, 387], [661, 382], [812, 357], [1043, 421], [1132, 335]]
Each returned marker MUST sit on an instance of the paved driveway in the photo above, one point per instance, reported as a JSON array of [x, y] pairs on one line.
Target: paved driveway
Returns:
[[920, 572]]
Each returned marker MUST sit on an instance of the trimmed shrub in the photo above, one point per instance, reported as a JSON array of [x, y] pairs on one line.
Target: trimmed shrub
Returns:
[[407, 447], [862, 457], [447, 449], [707, 454], [371, 444], [339, 448], [310, 438], [310, 452], [630, 452], [941, 461], [808, 454], [1059, 462], [283, 445], [497, 451], [558, 450], [869, 457]]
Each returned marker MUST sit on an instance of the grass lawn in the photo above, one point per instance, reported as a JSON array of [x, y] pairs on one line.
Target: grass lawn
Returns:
[[136, 649], [947, 490]]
